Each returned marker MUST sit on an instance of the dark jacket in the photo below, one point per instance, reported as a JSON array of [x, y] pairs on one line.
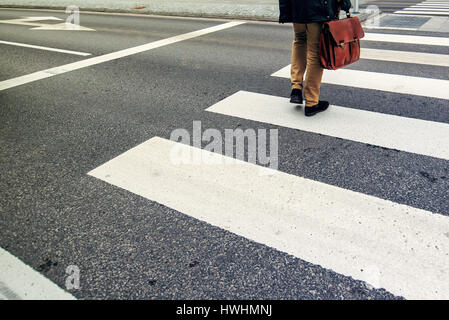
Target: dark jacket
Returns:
[[308, 11]]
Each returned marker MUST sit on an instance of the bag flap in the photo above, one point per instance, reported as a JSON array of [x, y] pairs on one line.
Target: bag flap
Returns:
[[345, 30]]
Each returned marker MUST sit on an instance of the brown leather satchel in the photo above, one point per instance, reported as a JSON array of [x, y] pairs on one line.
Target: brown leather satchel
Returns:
[[340, 42]]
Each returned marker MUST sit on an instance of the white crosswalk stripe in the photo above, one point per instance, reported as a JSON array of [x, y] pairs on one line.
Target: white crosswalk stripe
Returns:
[[427, 8], [336, 228], [20, 282], [427, 13], [405, 57], [339, 229], [424, 5], [406, 39], [406, 134], [426, 87]]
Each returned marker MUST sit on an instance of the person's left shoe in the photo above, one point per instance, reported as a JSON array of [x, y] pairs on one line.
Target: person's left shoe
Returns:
[[313, 110], [296, 96]]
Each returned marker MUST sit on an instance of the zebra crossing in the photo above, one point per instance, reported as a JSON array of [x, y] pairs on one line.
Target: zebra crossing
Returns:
[[410, 135], [418, 86], [19, 281], [389, 245], [427, 8]]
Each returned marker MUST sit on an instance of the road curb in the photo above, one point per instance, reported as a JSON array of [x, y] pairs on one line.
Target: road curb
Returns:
[[262, 14]]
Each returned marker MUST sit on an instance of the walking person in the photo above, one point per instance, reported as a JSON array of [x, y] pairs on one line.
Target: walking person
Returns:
[[307, 17]]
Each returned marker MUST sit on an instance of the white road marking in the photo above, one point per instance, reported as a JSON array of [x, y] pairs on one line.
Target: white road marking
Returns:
[[370, 26], [63, 27], [433, 3], [405, 57], [426, 87], [430, 5], [423, 5], [426, 13], [112, 56], [426, 9], [19, 281], [44, 48], [346, 231], [31, 21], [419, 8], [397, 38], [6, 84], [390, 131]]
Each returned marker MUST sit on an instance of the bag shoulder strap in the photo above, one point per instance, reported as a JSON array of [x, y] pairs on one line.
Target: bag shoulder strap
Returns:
[[348, 14]]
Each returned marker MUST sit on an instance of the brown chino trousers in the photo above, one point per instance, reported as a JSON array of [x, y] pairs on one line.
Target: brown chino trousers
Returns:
[[305, 54]]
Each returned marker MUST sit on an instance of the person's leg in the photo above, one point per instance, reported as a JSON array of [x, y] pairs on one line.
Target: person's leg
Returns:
[[299, 56], [314, 70]]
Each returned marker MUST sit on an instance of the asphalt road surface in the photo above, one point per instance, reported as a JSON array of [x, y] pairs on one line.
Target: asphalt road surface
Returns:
[[358, 193]]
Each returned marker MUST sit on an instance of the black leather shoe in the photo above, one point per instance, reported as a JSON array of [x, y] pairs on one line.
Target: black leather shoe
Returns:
[[296, 96], [313, 110]]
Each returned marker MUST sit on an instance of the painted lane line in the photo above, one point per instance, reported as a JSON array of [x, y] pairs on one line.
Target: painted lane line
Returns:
[[405, 57], [113, 56], [389, 245], [24, 79], [426, 87], [397, 38], [19, 281], [44, 48], [389, 131]]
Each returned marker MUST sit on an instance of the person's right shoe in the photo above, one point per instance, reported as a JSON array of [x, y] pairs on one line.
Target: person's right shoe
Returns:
[[313, 110], [296, 96]]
